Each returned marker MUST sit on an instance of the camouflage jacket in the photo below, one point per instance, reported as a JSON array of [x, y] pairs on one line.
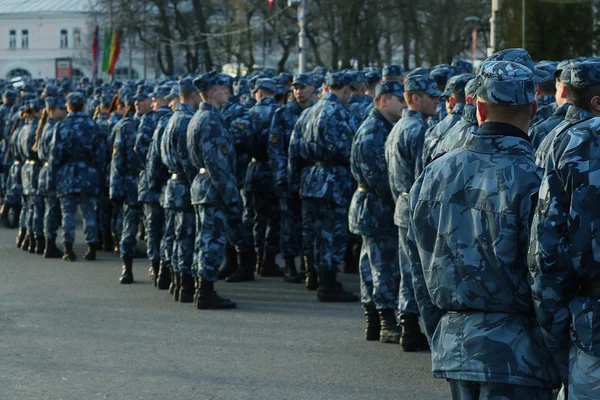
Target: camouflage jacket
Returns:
[[237, 122], [539, 131], [434, 136], [468, 236], [358, 107], [441, 111], [4, 130], [212, 152], [565, 247], [404, 157], [157, 172], [125, 165], [372, 205], [46, 182], [459, 133], [31, 169], [546, 107], [77, 155], [321, 155]]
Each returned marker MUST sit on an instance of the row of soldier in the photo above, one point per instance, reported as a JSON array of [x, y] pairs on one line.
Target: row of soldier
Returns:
[[441, 194]]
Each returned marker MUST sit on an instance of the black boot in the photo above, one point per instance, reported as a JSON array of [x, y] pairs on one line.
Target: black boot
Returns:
[[69, 255], [270, 269], [40, 244], [372, 326], [208, 299], [116, 241], [331, 291], [176, 283], [231, 262], [164, 276], [186, 294], [4, 216], [51, 250], [290, 273], [312, 283], [107, 242], [351, 259], [155, 267], [21, 235], [390, 331], [412, 339], [302, 267], [127, 271], [90, 254], [31, 242], [245, 271]]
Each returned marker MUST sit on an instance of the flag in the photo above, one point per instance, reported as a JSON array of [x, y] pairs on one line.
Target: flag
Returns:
[[115, 49], [95, 50], [106, 49]]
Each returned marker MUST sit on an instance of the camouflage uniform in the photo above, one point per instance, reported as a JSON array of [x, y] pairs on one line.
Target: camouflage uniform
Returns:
[[468, 235], [14, 163], [32, 201], [47, 182], [546, 107], [116, 210], [5, 111], [539, 131], [564, 249], [459, 133]]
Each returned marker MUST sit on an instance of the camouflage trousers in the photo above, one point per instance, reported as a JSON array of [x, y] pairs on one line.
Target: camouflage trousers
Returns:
[[266, 227], [240, 230], [116, 219], [379, 271], [104, 214], [584, 375], [3, 177], [132, 214], [68, 206], [468, 390], [185, 229], [211, 241], [167, 243], [154, 217], [406, 300], [14, 188], [324, 232], [291, 223], [51, 217], [35, 214], [24, 215]]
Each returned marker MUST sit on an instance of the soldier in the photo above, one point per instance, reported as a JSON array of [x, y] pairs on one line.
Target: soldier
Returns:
[[214, 192], [563, 256], [283, 123], [545, 92], [468, 235], [259, 181], [319, 158], [404, 156], [77, 161], [174, 154], [442, 75], [173, 98], [371, 215], [8, 101], [357, 96], [14, 185], [390, 72]]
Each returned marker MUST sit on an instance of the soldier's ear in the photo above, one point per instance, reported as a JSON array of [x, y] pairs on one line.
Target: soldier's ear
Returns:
[[595, 103], [481, 112]]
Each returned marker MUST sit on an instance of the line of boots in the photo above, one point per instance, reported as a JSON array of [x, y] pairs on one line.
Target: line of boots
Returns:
[[381, 325]]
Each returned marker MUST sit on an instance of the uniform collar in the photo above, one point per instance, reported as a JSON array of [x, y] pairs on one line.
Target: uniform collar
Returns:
[[498, 137], [575, 114], [331, 97], [562, 110], [407, 113], [266, 101], [375, 114], [470, 113], [186, 108], [458, 108], [208, 107]]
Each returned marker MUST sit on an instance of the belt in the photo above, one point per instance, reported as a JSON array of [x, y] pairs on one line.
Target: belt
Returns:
[[256, 160], [30, 162], [364, 188], [175, 176], [590, 288], [46, 164], [17, 163], [202, 171]]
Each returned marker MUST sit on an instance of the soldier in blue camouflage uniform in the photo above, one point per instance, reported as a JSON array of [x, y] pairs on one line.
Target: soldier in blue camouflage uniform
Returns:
[[441, 75], [8, 101], [174, 153], [14, 185], [404, 156], [55, 112], [564, 244], [283, 123], [77, 161], [259, 181], [455, 95], [546, 90], [11, 195], [357, 96], [319, 164], [371, 215], [390, 72], [468, 235], [214, 192]]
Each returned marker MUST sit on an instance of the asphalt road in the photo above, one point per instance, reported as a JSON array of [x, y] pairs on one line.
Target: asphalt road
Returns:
[[69, 331]]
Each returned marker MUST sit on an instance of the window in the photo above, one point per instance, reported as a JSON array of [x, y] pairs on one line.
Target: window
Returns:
[[64, 39], [76, 37], [12, 39], [25, 39], [18, 72]]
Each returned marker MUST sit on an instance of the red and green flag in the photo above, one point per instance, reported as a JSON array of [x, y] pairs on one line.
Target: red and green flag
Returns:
[[106, 49], [115, 50]]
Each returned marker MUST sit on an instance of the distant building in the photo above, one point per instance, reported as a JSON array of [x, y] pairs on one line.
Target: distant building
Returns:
[[53, 38]]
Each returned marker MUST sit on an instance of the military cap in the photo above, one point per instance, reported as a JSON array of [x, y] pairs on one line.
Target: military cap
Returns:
[[586, 74], [441, 75], [462, 67], [10, 94], [99, 81], [471, 86], [280, 89], [206, 81], [269, 73], [26, 88], [419, 71], [285, 77], [390, 87], [357, 77], [560, 67], [84, 80], [75, 98], [252, 82], [105, 99], [303, 80], [26, 97], [37, 104], [506, 83], [225, 80], [373, 77], [187, 85], [520, 56], [337, 79], [67, 87], [142, 92], [421, 83], [392, 70], [241, 89], [318, 80], [117, 84], [320, 70], [173, 94], [129, 98], [50, 101], [160, 91], [59, 102], [549, 68], [98, 91], [457, 84], [265, 83]]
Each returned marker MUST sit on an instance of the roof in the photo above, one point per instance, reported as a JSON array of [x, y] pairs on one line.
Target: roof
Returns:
[[46, 6]]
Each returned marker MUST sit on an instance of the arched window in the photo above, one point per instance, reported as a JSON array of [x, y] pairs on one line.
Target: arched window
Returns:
[[77, 74], [64, 39], [18, 72], [122, 74]]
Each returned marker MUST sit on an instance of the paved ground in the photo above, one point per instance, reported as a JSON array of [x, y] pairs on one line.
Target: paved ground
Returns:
[[69, 331]]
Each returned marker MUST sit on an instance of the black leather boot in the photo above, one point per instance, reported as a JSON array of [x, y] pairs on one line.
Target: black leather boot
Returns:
[[164, 276], [51, 250], [107, 242], [231, 262], [186, 294], [372, 326], [90, 254], [69, 255], [155, 267], [31, 247], [390, 331], [40, 244], [245, 271], [127, 271], [208, 299], [412, 339], [331, 291], [176, 286], [21, 235], [270, 268], [290, 275], [312, 282]]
